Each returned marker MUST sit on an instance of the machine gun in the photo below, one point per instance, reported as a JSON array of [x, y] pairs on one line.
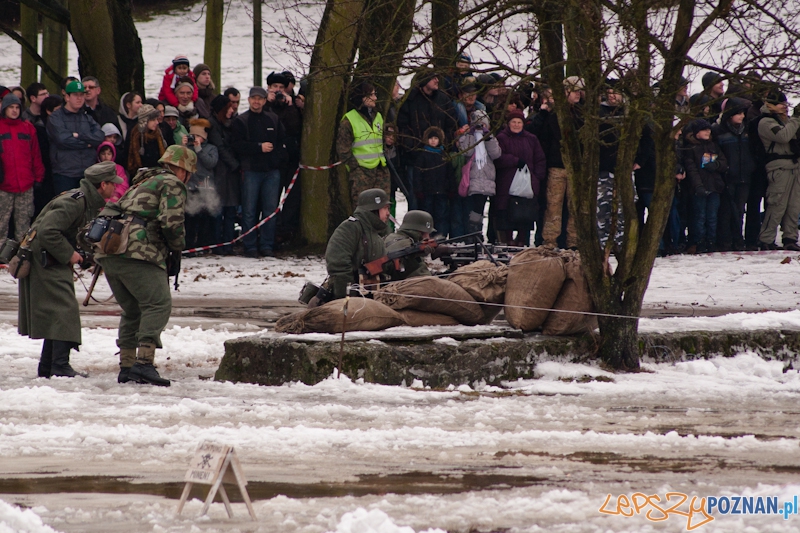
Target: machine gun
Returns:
[[469, 253], [371, 271]]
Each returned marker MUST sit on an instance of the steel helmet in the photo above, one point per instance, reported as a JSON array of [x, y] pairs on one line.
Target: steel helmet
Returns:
[[420, 221], [373, 199], [181, 157]]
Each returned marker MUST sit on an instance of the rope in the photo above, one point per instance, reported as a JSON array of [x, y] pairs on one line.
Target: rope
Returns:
[[268, 218]]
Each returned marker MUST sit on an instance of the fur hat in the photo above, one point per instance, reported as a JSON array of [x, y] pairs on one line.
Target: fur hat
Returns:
[[775, 97], [198, 126], [277, 77], [574, 83], [433, 131], [359, 92]]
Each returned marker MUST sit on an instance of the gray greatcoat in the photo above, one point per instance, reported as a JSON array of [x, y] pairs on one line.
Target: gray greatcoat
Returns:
[[48, 308]]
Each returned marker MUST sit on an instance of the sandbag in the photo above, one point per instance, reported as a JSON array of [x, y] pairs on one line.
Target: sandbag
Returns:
[[574, 296], [449, 298], [490, 312], [412, 317], [483, 280], [535, 277], [363, 314]]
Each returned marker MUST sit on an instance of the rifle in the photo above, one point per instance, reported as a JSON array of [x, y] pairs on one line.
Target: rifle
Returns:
[[395, 176], [97, 271], [464, 255], [373, 269]]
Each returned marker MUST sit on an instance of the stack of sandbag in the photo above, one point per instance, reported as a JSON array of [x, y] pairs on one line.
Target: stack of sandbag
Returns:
[[535, 277], [430, 294], [363, 314], [485, 282], [574, 296], [412, 317]]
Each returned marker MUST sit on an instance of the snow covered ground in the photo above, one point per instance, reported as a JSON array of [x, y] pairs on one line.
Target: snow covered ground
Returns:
[[538, 455]]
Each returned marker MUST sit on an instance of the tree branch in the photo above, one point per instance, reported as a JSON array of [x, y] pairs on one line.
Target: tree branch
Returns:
[[30, 50], [49, 9]]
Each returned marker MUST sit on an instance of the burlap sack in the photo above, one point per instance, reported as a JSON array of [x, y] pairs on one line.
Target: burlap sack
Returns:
[[363, 314], [412, 317], [448, 298], [574, 296], [483, 280], [535, 277]]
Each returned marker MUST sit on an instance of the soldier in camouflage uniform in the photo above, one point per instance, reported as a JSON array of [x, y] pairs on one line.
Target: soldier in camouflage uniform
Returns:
[[137, 276], [47, 306], [416, 226], [357, 240], [359, 143]]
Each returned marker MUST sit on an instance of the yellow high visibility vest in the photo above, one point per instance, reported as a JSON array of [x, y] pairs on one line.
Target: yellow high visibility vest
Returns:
[[368, 139]]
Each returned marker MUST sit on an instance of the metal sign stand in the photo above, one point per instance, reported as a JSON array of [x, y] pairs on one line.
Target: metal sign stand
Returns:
[[214, 465]]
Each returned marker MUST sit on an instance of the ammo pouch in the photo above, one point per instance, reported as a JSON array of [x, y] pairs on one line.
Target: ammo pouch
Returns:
[[20, 265], [109, 235]]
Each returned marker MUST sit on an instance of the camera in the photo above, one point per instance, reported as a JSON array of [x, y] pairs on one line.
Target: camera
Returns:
[[97, 229], [279, 97], [190, 140]]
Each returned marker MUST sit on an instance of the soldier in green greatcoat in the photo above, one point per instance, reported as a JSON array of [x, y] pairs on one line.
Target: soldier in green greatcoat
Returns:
[[357, 240], [48, 308], [137, 277]]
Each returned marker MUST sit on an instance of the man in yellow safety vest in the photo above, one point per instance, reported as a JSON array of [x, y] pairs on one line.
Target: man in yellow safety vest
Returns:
[[359, 143]]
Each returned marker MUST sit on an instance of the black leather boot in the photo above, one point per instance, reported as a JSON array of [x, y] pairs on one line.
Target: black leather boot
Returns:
[[61, 366], [143, 371], [46, 359]]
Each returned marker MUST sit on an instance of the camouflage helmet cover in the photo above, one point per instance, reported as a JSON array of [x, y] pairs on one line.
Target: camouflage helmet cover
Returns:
[[420, 221], [373, 199], [181, 157]]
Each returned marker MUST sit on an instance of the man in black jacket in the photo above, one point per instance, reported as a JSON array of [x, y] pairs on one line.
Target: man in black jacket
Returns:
[[101, 113], [258, 139]]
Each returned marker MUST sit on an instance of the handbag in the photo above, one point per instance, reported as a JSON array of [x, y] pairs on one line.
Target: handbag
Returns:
[[521, 184], [523, 211], [463, 186]]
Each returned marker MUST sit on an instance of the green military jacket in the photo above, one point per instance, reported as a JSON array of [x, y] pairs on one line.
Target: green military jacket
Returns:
[[157, 197], [48, 308], [357, 240], [413, 265]]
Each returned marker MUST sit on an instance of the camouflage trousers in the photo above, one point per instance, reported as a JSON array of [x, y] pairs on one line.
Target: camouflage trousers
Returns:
[[141, 289], [605, 199], [361, 179], [21, 206], [557, 190]]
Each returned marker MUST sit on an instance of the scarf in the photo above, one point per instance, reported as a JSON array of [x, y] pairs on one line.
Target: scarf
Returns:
[[138, 140], [480, 150]]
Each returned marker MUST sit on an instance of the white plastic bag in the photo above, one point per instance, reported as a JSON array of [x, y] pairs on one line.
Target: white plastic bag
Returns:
[[521, 186]]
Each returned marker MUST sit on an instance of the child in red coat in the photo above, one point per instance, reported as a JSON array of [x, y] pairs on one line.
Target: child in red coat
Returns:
[[179, 69]]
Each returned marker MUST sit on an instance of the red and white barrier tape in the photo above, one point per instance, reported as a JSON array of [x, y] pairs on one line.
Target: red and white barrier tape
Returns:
[[267, 218]]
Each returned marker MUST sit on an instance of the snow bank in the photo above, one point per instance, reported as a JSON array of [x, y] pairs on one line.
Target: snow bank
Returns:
[[16, 520]]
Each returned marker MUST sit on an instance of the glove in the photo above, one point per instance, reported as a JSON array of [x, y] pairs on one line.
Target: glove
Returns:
[[440, 251], [796, 112], [521, 164]]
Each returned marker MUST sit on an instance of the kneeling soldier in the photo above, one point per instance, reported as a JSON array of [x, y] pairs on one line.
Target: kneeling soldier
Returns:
[[47, 306], [137, 275], [357, 240], [417, 226]]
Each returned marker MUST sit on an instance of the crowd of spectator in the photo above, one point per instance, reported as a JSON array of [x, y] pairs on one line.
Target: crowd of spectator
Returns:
[[455, 142]]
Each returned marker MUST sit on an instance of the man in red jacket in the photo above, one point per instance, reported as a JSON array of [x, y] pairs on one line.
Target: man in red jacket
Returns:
[[21, 168]]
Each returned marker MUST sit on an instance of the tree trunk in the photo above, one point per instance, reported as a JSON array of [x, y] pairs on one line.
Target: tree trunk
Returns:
[[325, 193], [54, 51], [258, 48], [29, 29], [108, 46], [212, 53], [444, 31], [619, 343], [384, 39]]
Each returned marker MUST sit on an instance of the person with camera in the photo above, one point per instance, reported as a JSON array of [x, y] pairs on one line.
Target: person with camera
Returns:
[[47, 306], [138, 273], [779, 135], [258, 138]]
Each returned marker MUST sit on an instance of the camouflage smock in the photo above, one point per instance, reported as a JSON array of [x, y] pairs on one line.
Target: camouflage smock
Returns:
[[159, 197]]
